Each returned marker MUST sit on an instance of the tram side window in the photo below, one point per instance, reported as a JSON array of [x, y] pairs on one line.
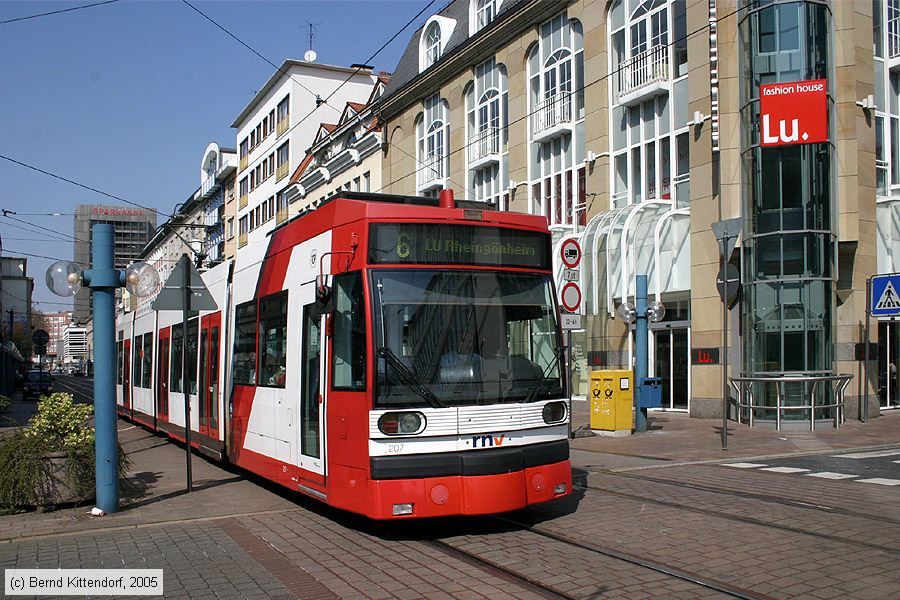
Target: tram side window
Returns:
[[175, 370], [273, 340], [136, 351], [244, 364], [349, 341], [120, 357], [191, 345], [148, 361]]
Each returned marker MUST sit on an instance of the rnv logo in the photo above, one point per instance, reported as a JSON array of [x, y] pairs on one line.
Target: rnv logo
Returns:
[[783, 135]]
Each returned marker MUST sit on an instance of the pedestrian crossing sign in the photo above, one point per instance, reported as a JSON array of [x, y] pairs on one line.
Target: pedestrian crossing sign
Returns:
[[886, 296]]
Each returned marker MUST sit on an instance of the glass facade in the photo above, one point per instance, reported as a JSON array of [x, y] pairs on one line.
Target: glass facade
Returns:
[[788, 242]]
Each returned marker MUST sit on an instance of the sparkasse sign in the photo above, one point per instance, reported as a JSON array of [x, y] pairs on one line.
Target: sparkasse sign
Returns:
[[793, 113]]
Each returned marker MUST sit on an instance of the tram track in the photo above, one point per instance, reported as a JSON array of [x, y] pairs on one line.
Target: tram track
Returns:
[[499, 571], [737, 518], [634, 560], [756, 496]]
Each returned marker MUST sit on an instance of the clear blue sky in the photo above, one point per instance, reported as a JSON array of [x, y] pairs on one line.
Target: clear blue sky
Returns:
[[125, 97]]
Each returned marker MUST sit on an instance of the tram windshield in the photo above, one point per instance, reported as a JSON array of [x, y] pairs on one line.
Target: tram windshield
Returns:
[[449, 338]]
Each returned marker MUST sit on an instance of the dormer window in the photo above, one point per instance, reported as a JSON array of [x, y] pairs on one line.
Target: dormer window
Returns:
[[432, 44], [435, 34], [482, 13]]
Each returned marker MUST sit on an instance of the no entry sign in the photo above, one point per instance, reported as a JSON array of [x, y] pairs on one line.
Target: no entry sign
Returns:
[[793, 113]]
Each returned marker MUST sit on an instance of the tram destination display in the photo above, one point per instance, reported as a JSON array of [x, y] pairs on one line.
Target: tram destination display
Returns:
[[435, 244]]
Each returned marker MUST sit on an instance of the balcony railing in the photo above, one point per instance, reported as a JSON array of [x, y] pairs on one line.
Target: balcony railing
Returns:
[[242, 203], [242, 240], [281, 216], [245, 160], [283, 125], [642, 71], [282, 171], [431, 170], [484, 143], [551, 112]]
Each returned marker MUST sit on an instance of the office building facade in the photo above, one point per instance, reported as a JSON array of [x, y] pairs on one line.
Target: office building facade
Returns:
[[133, 228]]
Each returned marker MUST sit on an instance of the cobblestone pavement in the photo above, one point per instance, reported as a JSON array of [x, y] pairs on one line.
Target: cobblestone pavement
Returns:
[[638, 525]]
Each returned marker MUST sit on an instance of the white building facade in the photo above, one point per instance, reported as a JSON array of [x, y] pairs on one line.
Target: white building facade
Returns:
[[277, 126]]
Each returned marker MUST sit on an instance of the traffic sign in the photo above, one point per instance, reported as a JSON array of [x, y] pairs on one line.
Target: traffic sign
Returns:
[[568, 321], [728, 285], [571, 253], [727, 231], [171, 297], [886, 295], [40, 337], [570, 275], [571, 296]]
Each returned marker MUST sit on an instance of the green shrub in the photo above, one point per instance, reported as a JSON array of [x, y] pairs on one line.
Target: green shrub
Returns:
[[29, 478], [5, 402], [62, 424]]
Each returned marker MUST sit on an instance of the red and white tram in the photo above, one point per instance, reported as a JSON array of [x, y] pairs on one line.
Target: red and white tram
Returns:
[[391, 356]]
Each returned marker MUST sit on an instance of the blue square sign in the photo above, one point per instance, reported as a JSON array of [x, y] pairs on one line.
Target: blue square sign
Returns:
[[885, 296]]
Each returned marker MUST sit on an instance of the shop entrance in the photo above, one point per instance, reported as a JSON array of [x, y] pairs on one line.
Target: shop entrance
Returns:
[[889, 364], [670, 360]]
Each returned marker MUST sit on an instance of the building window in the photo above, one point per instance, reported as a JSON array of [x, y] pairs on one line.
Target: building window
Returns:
[[245, 153], [284, 115], [230, 228], [485, 12], [556, 80], [432, 44], [647, 108], [366, 182], [433, 132], [284, 158], [486, 123]]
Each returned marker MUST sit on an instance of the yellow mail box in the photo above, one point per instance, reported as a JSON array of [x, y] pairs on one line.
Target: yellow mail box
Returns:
[[612, 400]]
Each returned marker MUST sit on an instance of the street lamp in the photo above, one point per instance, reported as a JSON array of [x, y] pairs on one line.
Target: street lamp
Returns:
[[640, 313], [66, 278]]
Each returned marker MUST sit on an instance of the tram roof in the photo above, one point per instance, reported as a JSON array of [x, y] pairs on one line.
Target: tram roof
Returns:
[[388, 199]]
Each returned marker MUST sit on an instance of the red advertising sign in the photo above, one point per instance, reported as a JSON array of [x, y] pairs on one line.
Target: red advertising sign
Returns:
[[793, 113]]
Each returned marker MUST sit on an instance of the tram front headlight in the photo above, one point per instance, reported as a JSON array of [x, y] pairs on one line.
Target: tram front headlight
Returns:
[[554, 412], [401, 423]]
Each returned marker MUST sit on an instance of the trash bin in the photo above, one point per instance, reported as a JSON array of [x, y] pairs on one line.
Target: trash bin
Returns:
[[612, 400], [650, 392]]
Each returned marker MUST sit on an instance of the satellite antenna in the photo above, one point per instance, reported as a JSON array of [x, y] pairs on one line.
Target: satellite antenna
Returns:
[[310, 55]]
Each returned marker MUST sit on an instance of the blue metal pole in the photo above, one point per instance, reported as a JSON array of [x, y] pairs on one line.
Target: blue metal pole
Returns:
[[103, 280], [640, 350]]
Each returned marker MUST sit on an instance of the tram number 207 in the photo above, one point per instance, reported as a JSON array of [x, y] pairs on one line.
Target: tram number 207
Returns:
[[395, 448]]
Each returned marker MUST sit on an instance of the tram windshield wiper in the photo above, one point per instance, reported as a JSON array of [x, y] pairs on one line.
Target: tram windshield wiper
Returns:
[[408, 378], [542, 385]]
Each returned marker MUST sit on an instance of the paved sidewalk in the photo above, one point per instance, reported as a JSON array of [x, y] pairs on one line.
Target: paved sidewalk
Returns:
[[676, 437], [237, 536]]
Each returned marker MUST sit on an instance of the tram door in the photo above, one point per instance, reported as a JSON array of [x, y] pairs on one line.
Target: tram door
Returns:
[[126, 375], [162, 370], [312, 391], [670, 361], [889, 364], [208, 390]]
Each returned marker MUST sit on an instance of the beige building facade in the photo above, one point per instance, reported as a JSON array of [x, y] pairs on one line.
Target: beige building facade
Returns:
[[634, 127]]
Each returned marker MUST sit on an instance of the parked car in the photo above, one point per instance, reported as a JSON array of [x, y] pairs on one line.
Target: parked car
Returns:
[[37, 382]]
